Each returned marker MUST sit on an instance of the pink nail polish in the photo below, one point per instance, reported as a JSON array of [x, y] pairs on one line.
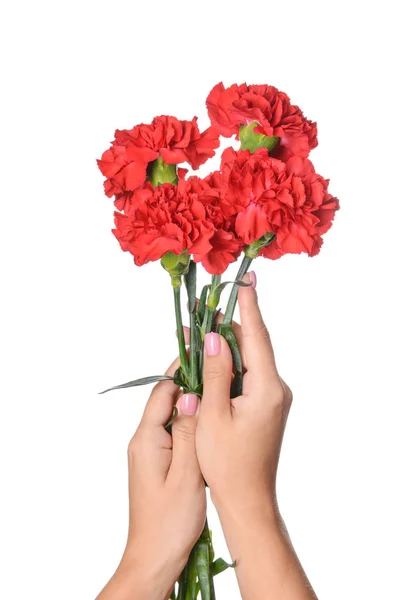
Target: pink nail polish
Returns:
[[212, 343], [253, 279], [189, 404]]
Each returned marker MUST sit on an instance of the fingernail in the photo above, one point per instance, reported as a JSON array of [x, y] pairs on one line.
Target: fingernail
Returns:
[[188, 404], [253, 279], [212, 343]]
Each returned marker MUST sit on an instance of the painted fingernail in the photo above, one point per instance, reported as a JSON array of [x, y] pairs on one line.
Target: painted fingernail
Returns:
[[212, 343], [188, 404], [253, 279]]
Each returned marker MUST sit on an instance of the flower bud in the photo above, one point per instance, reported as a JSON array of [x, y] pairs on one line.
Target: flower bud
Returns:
[[176, 265], [252, 141]]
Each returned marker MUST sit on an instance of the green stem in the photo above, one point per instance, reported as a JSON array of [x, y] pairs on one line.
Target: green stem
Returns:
[[204, 558], [230, 309], [181, 593], [180, 332], [193, 352], [191, 285]]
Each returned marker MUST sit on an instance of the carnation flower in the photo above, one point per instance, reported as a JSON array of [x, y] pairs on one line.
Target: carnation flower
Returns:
[[126, 162], [268, 111], [175, 218], [268, 195]]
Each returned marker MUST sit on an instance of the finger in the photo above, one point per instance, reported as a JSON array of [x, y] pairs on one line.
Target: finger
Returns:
[[217, 375], [257, 346], [184, 457], [159, 408]]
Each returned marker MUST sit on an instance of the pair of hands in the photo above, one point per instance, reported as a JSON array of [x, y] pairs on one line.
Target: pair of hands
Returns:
[[233, 444]]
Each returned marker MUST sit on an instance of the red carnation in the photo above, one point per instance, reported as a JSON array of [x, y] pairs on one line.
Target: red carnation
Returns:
[[237, 105], [177, 218], [126, 161], [268, 195]]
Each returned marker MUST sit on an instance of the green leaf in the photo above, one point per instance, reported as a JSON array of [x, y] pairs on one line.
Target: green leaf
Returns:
[[220, 565], [237, 385], [201, 304], [179, 378], [136, 382], [216, 315], [173, 417], [239, 282]]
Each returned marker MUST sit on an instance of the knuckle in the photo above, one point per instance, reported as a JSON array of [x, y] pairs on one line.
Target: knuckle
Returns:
[[184, 432], [288, 395], [263, 332], [213, 373], [278, 395], [133, 446]]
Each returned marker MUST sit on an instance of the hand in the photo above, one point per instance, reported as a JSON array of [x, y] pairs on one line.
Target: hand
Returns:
[[167, 499], [239, 440], [238, 446]]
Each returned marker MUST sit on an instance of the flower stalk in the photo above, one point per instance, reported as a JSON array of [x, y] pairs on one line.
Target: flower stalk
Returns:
[[191, 285], [251, 252], [180, 331], [230, 308]]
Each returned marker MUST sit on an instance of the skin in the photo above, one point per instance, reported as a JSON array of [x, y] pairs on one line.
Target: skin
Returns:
[[235, 445], [167, 501]]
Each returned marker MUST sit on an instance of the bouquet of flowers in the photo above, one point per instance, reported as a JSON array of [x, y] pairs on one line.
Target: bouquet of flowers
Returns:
[[266, 199]]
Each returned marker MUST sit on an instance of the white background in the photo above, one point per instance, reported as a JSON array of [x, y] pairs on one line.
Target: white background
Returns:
[[78, 316]]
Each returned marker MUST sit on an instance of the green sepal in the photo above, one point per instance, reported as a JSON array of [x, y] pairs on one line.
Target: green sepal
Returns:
[[220, 565], [136, 382], [253, 249], [176, 265], [159, 172], [249, 140]]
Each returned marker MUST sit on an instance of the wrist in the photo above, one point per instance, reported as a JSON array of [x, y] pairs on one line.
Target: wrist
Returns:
[[150, 575], [247, 505], [248, 518]]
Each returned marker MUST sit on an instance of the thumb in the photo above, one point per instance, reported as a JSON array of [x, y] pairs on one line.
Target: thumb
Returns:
[[217, 375], [184, 458]]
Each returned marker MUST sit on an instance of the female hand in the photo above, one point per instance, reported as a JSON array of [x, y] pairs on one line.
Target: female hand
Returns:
[[239, 440], [238, 446], [167, 499]]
